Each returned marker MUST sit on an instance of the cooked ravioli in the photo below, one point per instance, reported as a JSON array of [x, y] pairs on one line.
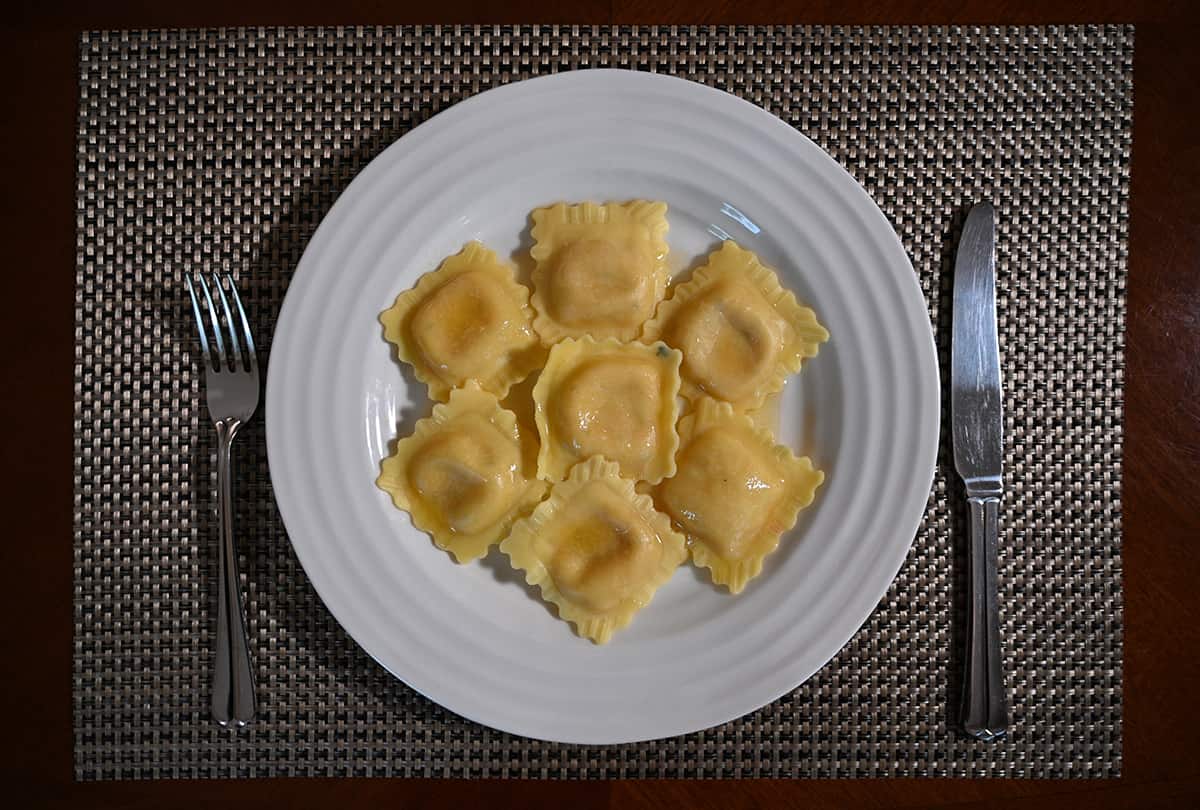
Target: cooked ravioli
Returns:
[[740, 332], [611, 399], [600, 269], [462, 474], [596, 549], [468, 320], [735, 492]]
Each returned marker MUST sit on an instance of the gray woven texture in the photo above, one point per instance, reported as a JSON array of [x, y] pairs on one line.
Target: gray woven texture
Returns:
[[222, 150]]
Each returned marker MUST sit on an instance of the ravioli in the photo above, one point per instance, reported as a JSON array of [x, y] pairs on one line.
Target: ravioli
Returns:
[[611, 399], [596, 549], [468, 320], [462, 475], [740, 332], [735, 493], [600, 269]]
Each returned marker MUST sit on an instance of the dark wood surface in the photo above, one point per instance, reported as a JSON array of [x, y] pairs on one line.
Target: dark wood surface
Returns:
[[1162, 427]]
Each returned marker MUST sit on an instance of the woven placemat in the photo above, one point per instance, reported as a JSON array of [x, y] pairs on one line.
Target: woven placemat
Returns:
[[223, 149]]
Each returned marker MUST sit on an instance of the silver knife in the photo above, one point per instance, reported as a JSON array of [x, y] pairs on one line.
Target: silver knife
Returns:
[[977, 417]]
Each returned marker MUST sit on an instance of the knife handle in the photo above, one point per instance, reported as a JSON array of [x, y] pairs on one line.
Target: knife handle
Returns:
[[985, 707]]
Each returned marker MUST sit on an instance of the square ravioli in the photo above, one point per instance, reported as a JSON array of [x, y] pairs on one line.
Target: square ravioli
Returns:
[[611, 399], [468, 320], [596, 549], [600, 269], [735, 493], [462, 474], [740, 332]]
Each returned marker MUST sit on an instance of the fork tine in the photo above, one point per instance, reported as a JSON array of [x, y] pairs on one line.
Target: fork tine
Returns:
[[235, 353], [191, 288], [246, 333], [216, 322]]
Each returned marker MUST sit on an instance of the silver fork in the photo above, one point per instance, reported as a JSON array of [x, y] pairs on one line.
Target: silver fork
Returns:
[[231, 380]]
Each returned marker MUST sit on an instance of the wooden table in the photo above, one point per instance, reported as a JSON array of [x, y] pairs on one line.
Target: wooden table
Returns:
[[1162, 429]]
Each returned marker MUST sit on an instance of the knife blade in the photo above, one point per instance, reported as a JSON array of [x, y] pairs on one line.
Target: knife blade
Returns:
[[977, 417], [977, 421]]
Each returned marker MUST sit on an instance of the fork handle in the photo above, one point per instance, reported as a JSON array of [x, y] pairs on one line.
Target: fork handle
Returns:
[[233, 701], [985, 707]]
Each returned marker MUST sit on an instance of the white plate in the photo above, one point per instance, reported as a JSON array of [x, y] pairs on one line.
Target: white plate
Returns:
[[474, 638]]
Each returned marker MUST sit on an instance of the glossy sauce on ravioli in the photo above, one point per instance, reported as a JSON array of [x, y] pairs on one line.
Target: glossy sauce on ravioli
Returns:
[[726, 486], [614, 358], [598, 549], [740, 332], [611, 399], [468, 321], [730, 338], [601, 284], [465, 325], [600, 270], [467, 478], [609, 406], [465, 474], [735, 491]]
